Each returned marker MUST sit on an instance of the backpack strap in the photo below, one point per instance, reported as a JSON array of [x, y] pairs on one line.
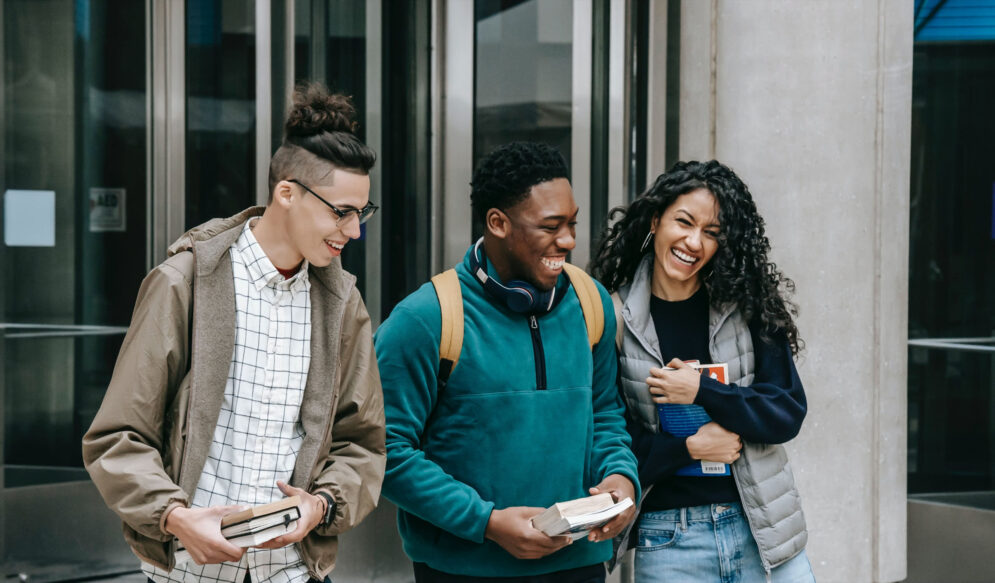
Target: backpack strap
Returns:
[[447, 288], [590, 302], [620, 325]]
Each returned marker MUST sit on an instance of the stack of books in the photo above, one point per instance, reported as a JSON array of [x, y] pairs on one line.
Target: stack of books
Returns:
[[575, 518], [256, 525]]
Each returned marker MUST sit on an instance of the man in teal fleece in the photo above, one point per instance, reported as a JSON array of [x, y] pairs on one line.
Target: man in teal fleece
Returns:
[[529, 416]]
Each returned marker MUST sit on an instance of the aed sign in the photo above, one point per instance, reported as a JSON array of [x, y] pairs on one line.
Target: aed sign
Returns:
[[107, 209]]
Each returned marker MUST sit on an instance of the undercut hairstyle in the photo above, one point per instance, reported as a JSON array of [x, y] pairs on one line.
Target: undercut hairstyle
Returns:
[[319, 137], [739, 273], [506, 175]]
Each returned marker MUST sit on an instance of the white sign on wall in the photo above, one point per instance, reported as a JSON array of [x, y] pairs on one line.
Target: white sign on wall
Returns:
[[107, 210], [29, 218]]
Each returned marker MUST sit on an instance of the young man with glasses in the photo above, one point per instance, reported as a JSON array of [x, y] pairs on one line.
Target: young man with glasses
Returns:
[[529, 415], [248, 374]]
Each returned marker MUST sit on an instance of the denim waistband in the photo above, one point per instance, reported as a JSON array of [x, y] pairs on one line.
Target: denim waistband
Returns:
[[704, 513]]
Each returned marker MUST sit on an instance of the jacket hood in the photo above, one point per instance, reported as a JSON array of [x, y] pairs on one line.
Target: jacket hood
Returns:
[[211, 229]]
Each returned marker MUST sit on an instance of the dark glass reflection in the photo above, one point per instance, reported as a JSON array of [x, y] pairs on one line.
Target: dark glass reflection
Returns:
[[74, 125], [523, 74], [221, 108], [952, 256]]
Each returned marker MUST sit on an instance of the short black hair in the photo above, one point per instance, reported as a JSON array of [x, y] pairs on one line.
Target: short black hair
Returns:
[[505, 176]]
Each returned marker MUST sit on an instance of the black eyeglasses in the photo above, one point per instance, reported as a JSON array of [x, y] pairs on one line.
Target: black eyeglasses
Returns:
[[362, 214]]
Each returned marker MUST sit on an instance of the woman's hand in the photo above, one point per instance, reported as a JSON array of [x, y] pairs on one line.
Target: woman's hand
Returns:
[[678, 386], [714, 443]]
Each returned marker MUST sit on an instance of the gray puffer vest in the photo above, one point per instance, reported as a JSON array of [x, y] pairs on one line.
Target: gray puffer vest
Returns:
[[762, 474]]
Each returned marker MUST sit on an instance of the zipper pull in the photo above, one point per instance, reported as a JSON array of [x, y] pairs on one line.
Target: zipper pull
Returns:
[[533, 323]]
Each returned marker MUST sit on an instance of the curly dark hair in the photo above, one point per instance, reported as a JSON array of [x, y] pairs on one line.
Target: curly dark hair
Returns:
[[504, 177], [740, 272]]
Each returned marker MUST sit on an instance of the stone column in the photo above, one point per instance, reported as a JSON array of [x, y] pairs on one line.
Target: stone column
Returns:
[[810, 103]]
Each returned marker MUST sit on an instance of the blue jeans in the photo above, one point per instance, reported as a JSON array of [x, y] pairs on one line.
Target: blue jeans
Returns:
[[709, 543]]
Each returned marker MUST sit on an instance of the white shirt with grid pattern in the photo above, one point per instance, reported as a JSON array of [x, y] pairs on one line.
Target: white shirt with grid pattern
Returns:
[[259, 434]]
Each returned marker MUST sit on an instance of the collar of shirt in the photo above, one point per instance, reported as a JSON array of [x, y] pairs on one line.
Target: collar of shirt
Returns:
[[261, 270]]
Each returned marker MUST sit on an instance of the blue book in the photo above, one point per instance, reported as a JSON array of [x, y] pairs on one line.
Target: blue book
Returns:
[[685, 420]]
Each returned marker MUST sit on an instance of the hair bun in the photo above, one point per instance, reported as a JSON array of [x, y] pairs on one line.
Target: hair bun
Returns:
[[315, 110]]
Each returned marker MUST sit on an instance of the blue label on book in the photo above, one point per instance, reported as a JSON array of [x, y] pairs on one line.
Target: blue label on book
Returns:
[[681, 420]]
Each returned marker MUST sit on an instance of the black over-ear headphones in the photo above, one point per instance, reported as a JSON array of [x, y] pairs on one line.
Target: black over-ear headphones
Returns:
[[519, 296]]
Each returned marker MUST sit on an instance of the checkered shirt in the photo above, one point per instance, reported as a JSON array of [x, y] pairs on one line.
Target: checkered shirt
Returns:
[[259, 434]]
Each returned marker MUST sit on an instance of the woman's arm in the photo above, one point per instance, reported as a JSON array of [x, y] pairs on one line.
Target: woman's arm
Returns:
[[772, 408]]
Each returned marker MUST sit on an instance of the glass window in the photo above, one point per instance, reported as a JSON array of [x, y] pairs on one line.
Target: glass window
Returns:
[[952, 250], [523, 75], [221, 108], [405, 158], [74, 249]]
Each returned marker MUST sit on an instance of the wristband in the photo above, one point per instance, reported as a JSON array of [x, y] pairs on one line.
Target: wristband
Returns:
[[330, 507]]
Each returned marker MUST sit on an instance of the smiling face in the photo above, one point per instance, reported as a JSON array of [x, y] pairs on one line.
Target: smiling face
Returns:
[[537, 234], [313, 229], [685, 240]]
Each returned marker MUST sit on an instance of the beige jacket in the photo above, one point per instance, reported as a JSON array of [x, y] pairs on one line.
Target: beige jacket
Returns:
[[147, 446]]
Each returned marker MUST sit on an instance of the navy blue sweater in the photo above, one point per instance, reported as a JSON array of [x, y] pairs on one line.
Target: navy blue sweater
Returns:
[[770, 410]]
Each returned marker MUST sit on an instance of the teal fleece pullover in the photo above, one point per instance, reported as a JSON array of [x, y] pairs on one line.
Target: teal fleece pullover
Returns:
[[493, 439]]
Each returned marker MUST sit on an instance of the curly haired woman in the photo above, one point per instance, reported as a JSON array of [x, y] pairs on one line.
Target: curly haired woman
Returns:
[[688, 262]]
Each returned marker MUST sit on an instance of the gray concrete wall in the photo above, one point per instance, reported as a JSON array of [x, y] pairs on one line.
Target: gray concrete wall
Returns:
[[810, 102]]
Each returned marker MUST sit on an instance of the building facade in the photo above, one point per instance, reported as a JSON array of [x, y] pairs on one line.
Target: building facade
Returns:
[[860, 127]]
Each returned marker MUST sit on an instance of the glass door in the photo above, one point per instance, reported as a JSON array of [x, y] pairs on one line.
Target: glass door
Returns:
[[551, 71], [221, 116], [73, 180]]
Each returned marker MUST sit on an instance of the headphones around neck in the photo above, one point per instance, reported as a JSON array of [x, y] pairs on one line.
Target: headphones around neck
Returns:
[[518, 296]]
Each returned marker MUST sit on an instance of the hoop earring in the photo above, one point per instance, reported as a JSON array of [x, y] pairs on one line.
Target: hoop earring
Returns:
[[646, 241]]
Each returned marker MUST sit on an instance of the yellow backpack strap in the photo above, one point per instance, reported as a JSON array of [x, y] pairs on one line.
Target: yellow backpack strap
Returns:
[[447, 288], [590, 302], [619, 324]]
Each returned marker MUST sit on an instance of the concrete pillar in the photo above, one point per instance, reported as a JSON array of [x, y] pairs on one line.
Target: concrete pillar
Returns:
[[810, 103]]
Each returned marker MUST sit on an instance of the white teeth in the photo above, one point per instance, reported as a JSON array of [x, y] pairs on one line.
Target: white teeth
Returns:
[[683, 256], [335, 245], [553, 264]]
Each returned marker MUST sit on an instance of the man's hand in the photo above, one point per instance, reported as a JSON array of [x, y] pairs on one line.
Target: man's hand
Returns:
[[678, 386], [312, 511], [512, 529], [199, 531], [714, 443], [619, 487]]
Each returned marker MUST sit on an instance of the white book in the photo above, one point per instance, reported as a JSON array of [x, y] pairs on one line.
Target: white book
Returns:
[[578, 517], [256, 525]]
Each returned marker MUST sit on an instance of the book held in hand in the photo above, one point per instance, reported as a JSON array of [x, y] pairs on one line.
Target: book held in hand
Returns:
[[575, 518], [256, 525], [685, 420]]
